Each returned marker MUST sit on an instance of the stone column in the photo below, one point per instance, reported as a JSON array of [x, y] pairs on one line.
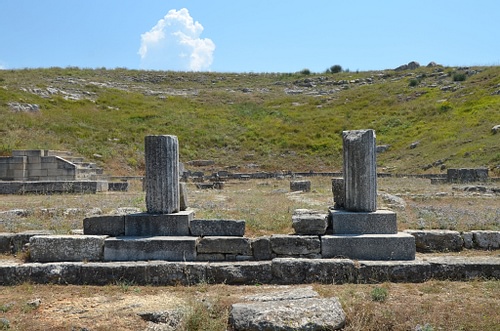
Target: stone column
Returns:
[[162, 174], [360, 170]]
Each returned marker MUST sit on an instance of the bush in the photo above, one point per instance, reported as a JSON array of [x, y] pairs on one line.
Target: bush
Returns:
[[305, 71], [413, 82], [459, 77]]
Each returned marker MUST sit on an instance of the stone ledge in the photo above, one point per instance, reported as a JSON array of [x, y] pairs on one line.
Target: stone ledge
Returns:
[[277, 271], [377, 222], [217, 227]]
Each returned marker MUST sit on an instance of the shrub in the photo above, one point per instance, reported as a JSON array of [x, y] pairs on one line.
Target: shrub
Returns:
[[379, 294], [334, 69], [305, 71], [413, 82], [459, 77]]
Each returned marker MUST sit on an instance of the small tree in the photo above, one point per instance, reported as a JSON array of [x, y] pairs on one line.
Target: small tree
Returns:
[[334, 69]]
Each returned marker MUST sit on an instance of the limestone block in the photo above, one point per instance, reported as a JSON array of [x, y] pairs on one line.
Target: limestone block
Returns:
[[56, 248], [400, 246], [179, 248], [437, 240], [295, 245], [144, 224], [464, 268], [175, 273], [20, 239], [183, 196], [261, 248], [486, 239], [217, 227], [239, 273], [338, 190], [224, 245], [111, 225], [210, 257], [6, 242], [415, 271], [300, 185], [379, 221], [468, 238], [162, 174], [309, 222], [304, 271], [360, 170], [288, 315]]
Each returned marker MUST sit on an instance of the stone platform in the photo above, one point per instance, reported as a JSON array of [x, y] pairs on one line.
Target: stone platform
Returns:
[[276, 271]]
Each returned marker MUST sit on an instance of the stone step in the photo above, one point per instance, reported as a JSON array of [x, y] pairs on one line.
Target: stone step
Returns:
[[181, 248], [400, 246]]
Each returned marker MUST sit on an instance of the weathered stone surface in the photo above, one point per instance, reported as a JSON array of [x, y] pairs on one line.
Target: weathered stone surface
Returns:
[[217, 227], [224, 245], [111, 225], [400, 246], [175, 273], [468, 238], [338, 190], [293, 293], [183, 196], [20, 239], [162, 174], [461, 268], [300, 185], [300, 314], [210, 257], [261, 248], [415, 271], [55, 248], [239, 273], [486, 239], [465, 175], [360, 170], [303, 271], [295, 245], [144, 224], [437, 240], [309, 222], [6, 242], [150, 248], [379, 221]]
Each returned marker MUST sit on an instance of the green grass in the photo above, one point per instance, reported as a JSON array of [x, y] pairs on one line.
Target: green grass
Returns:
[[225, 116]]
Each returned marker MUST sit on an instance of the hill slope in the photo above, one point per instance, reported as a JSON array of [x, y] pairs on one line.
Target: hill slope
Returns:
[[275, 121]]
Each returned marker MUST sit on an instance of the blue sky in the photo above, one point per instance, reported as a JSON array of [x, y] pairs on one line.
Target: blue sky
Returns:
[[247, 36]]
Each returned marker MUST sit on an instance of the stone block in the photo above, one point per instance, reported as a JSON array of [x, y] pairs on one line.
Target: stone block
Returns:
[[309, 222], [175, 273], [380, 221], [468, 238], [179, 248], [217, 227], [486, 239], [304, 271], [6, 242], [463, 268], [261, 248], [209, 257], [56, 248], [300, 185], [286, 245], [144, 224], [224, 245], [20, 239], [416, 271], [437, 240], [98, 273], [400, 246], [239, 273], [300, 314], [111, 225], [183, 196], [338, 190]]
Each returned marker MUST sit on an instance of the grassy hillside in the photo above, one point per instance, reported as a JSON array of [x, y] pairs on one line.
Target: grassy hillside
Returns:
[[275, 121]]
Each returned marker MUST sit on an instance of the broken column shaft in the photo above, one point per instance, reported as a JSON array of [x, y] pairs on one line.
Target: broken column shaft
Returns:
[[162, 174], [360, 170]]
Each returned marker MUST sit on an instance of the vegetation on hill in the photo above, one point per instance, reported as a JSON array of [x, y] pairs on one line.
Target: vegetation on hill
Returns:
[[430, 118]]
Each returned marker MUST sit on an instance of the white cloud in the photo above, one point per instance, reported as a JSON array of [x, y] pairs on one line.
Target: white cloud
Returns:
[[174, 43]]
